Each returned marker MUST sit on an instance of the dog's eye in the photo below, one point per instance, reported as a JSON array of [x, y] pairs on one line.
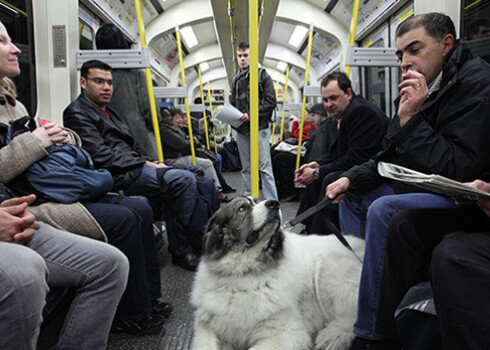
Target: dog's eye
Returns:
[[243, 207]]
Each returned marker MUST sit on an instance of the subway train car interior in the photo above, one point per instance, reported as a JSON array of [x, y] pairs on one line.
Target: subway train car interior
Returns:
[[181, 66]]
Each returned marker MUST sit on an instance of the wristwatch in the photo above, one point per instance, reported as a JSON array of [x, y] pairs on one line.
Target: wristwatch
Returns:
[[316, 174]]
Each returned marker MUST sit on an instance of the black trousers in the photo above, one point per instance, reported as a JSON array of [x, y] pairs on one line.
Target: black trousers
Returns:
[[314, 193], [283, 165], [422, 245], [129, 227]]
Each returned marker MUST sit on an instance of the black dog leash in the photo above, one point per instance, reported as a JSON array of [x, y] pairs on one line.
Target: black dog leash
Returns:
[[330, 225]]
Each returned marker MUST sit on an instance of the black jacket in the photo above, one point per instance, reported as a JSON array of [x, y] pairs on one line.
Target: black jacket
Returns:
[[450, 134], [240, 98], [358, 138], [109, 141]]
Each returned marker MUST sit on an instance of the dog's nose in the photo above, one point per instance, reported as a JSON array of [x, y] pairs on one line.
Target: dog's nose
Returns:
[[272, 204]]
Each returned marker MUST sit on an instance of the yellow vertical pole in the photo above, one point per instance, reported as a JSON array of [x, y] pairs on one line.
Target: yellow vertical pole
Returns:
[[284, 101], [298, 156], [274, 120], [214, 127], [182, 72], [80, 30], [254, 96], [352, 33], [149, 84], [204, 114]]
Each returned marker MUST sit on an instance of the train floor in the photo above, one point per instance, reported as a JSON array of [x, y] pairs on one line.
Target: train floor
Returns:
[[176, 289]]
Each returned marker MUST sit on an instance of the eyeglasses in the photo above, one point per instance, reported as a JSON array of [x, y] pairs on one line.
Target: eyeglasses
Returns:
[[100, 81]]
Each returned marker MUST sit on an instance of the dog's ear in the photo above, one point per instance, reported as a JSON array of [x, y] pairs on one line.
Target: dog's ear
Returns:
[[275, 247], [213, 237]]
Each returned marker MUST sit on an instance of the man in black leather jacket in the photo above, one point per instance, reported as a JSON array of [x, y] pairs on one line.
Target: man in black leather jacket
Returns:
[[240, 98], [108, 139]]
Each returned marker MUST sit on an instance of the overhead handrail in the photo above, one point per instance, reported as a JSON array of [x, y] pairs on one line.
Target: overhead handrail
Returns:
[[182, 73], [149, 84], [284, 101], [204, 113], [352, 32], [117, 59], [254, 96], [303, 107]]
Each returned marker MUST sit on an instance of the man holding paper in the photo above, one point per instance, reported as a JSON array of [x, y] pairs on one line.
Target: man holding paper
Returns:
[[240, 98], [441, 127]]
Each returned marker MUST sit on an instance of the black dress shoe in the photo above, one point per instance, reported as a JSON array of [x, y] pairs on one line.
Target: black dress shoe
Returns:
[[188, 262], [228, 190], [161, 308], [143, 326]]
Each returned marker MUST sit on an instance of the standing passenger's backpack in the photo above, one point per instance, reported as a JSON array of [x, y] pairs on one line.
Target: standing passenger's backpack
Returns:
[[231, 157]]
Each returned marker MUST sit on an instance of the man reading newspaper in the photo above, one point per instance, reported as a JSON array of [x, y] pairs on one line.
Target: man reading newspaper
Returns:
[[441, 127]]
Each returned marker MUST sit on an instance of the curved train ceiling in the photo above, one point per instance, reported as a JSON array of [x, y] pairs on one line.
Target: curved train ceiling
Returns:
[[217, 24]]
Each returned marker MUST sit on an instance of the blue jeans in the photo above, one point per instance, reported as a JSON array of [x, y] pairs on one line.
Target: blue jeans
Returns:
[[369, 219], [129, 227], [265, 164], [56, 258], [179, 198]]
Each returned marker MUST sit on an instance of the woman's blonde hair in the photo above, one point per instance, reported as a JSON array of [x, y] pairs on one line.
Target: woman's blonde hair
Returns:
[[9, 85]]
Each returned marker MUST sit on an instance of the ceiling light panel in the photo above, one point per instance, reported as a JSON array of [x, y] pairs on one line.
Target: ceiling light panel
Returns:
[[298, 36], [189, 37]]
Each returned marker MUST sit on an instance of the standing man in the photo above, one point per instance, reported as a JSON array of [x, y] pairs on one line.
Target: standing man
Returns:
[[107, 138], [354, 135], [240, 98], [441, 127]]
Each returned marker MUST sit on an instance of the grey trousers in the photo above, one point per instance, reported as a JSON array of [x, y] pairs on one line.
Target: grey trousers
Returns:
[[56, 258], [265, 163]]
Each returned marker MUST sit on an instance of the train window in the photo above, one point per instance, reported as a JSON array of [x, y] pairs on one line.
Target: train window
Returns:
[[16, 15], [475, 22], [376, 82], [475, 27], [87, 36], [376, 79]]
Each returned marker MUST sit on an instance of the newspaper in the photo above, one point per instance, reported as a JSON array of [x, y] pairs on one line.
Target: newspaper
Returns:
[[433, 183]]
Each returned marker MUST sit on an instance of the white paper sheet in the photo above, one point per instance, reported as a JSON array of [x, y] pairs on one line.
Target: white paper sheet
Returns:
[[230, 115]]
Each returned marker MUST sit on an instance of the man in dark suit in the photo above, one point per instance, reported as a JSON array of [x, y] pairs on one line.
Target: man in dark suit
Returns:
[[355, 135]]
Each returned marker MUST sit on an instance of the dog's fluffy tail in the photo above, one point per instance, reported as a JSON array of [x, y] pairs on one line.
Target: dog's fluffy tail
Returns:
[[337, 335]]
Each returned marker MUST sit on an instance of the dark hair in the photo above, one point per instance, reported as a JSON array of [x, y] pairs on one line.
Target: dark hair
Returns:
[[243, 45], [174, 110], [94, 64], [437, 25], [474, 27], [109, 37], [342, 79], [197, 101]]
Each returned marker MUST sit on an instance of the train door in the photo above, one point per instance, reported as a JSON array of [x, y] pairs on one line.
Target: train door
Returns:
[[376, 79]]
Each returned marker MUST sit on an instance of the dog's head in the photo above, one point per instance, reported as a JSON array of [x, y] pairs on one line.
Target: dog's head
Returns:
[[245, 227]]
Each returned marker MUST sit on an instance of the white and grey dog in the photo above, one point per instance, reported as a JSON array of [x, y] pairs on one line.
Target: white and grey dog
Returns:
[[260, 288]]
